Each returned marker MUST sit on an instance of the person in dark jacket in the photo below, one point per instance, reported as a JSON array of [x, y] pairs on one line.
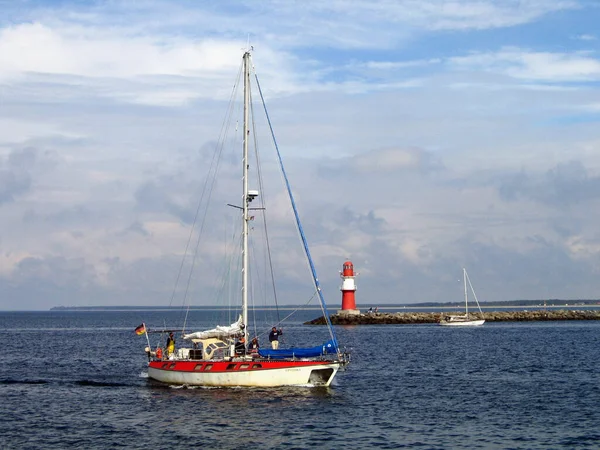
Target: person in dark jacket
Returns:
[[274, 337], [240, 346], [253, 347]]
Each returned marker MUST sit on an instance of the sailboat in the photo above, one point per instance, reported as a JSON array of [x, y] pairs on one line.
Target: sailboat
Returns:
[[220, 356], [467, 319]]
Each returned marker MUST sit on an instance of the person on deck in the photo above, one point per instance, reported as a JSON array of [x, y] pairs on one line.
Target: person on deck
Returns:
[[253, 347], [240, 346], [274, 338], [170, 344]]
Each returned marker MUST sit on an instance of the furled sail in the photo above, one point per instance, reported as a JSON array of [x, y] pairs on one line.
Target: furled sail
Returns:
[[308, 352], [219, 332]]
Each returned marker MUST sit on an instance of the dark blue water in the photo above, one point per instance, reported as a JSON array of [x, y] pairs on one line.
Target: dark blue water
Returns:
[[77, 379]]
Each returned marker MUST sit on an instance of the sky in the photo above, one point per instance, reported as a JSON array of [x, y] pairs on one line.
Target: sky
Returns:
[[420, 137]]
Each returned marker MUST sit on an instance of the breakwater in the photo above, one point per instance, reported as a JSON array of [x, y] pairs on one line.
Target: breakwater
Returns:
[[382, 318]]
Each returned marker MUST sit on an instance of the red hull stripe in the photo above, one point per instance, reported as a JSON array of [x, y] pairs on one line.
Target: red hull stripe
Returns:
[[229, 366]]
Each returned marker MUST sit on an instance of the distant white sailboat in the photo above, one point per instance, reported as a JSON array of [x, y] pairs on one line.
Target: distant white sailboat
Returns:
[[466, 319]]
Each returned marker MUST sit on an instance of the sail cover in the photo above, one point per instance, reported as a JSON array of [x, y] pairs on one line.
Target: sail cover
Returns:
[[328, 347], [219, 332]]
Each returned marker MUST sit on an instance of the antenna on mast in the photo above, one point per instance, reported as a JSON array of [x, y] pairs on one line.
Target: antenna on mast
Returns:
[[249, 47]]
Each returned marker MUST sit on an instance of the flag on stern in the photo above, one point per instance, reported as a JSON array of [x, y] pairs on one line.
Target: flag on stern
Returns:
[[141, 329]]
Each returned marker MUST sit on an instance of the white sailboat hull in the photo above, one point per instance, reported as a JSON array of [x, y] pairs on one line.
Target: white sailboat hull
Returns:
[[312, 375], [462, 323]]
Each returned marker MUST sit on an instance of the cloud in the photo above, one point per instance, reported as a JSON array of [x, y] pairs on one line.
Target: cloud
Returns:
[[58, 271], [332, 24], [170, 72], [368, 222], [565, 185], [95, 44], [384, 162], [137, 227], [71, 216], [455, 15], [544, 270], [586, 37], [395, 159], [529, 65], [15, 174], [74, 51], [591, 107]]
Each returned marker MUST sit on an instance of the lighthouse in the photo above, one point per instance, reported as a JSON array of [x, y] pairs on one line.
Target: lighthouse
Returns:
[[348, 288]]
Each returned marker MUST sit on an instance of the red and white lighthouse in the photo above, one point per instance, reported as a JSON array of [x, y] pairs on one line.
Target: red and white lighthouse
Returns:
[[348, 288]]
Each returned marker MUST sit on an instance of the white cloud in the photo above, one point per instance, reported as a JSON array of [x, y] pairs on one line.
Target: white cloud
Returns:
[[392, 65], [37, 48], [169, 70], [586, 37], [456, 15], [583, 248], [393, 160], [399, 18], [13, 130], [592, 107], [275, 23], [528, 65]]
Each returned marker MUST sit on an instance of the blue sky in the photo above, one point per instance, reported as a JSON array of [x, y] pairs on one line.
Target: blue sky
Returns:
[[421, 137]]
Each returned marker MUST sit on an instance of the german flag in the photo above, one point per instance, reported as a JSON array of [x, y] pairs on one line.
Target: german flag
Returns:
[[141, 329]]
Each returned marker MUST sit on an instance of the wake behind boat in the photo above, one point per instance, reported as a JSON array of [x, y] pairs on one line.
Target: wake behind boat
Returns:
[[467, 319], [221, 356]]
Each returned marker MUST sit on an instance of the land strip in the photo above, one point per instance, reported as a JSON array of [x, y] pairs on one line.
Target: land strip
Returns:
[[383, 318]]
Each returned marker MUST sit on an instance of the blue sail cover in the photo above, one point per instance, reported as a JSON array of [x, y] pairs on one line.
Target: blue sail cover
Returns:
[[308, 352]]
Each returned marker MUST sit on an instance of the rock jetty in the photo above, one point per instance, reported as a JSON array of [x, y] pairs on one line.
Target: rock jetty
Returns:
[[383, 318]]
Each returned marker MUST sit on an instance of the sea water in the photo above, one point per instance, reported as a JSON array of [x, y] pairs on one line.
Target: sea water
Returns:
[[78, 380]]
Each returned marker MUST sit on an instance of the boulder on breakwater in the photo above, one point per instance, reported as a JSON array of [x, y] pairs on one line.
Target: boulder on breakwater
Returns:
[[383, 318]]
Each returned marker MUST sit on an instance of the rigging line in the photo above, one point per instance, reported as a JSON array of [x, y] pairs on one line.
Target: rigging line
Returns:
[[215, 162], [290, 314], [473, 291], [227, 279], [216, 156], [298, 309], [221, 281], [262, 200], [252, 284], [258, 286], [298, 224], [279, 320]]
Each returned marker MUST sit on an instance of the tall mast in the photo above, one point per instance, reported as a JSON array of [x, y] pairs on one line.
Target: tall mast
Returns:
[[245, 198], [466, 300]]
